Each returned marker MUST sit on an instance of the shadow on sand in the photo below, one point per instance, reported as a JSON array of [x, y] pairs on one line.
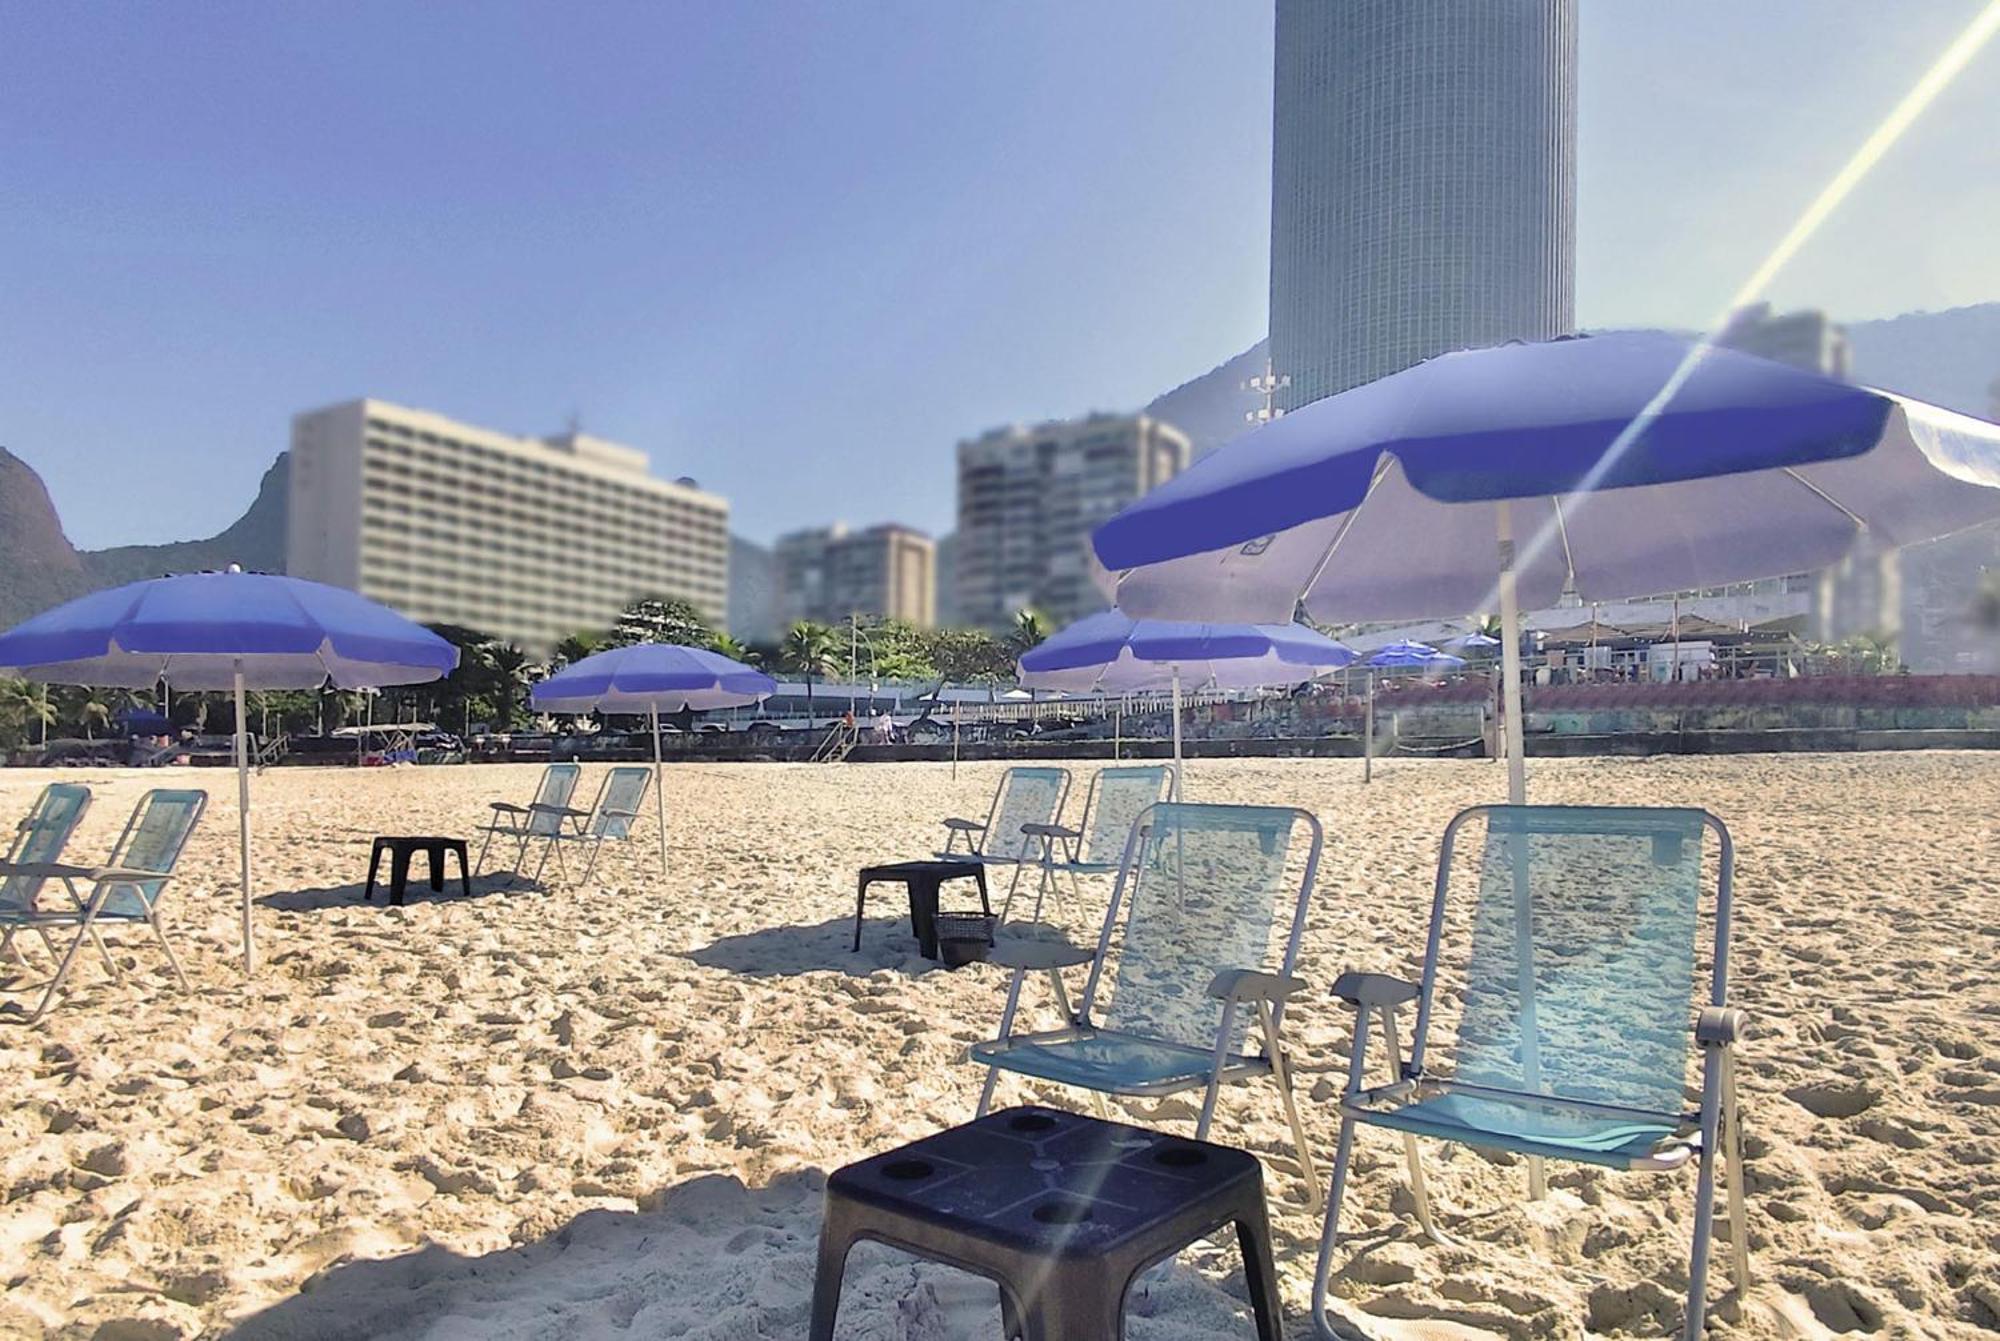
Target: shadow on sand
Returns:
[[418, 890], [707, 1259], [783, 952]]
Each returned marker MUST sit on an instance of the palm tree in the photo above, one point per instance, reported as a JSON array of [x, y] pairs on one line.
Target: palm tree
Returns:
[[94, 713], [577, 646], [808, 650], [509, 665], [22, 703], [1029, 631], [724, 645]]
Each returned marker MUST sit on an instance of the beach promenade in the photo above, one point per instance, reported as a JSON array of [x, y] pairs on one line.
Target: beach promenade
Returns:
[[608, 1110]]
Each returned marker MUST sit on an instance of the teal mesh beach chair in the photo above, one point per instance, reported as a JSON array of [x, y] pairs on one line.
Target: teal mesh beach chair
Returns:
[[1581, 1008], [1207, 912], [540, 818], [610, 818], [38, 840], [1111, 804], [126, 888], [1025, 796]]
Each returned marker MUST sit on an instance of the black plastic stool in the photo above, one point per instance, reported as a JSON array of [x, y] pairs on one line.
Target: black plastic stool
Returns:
[[400, 848], [922, 879], [1062, 1211]]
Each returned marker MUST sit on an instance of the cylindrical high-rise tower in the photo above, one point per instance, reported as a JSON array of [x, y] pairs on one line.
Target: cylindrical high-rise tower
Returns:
[[1423, 183]]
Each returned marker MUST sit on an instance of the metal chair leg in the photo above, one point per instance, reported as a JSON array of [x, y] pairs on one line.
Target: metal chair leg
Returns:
[[104, 953], [1704, 1207], [1732, 1156], [1412, 1156], [1329, 1235], [1284, 1079], [1006, 1032], [172, 959]]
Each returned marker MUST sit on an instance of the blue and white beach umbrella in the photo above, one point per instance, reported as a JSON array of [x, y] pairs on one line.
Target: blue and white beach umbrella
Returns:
[[653, 678], [232, 630], [1413, 654], [1610, 465], [1112, 651]]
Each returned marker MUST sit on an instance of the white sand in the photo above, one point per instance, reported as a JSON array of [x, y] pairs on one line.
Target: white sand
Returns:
[[609, 1111]]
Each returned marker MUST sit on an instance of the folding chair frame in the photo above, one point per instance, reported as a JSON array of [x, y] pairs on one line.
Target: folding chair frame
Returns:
[[519, 824], [1697, 1133], [589, 825], [18, 849], [107, 880], [1234, 987], [1062, 847]]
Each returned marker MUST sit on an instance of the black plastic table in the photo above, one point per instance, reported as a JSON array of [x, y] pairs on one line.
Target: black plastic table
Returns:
[[399, 848], [922, 879], [1062, 1211]]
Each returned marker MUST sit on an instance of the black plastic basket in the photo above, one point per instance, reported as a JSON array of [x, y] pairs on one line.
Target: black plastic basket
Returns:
[[964, 938]]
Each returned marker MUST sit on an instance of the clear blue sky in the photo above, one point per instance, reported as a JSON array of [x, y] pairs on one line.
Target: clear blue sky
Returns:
[[798, 250]]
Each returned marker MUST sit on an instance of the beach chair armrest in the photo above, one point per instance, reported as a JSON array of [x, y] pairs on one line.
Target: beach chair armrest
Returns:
[[965, 825], [122, 874], [508, 807], [1049, 831], [1719, 1026], [45, 870], [1374, 989], [1252, 985], [1028, 953], [540, 809]]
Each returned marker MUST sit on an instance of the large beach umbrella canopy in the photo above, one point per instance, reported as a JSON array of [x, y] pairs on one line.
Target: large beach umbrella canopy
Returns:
[[232, 630], [653, 678], [1610, 465], [1112, 651]]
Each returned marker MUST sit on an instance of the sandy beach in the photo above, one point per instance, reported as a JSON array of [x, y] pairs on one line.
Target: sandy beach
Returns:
[[609, 1110]]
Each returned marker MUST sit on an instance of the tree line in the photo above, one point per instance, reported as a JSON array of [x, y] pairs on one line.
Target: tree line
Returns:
[[491, 684]]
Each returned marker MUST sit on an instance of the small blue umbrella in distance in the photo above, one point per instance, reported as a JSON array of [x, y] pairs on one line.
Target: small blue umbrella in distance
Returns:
[[1112, 651], [227, 630], [652, 678]]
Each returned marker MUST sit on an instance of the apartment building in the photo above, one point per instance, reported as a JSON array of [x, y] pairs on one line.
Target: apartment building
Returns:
[[1028, 499], [526, 539], [827, 573]]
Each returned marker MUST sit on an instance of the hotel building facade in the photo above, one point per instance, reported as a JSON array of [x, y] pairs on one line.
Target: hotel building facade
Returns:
[[827, 573], [1028, 499], [524, 539]]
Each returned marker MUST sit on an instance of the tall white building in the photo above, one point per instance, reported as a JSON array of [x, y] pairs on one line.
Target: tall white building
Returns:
[[1028, 499], [1423, 183], [526, 539]]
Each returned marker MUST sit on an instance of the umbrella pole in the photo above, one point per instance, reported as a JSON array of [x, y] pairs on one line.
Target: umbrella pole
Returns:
[[1177, 733], [1368, 728], [659, 792], [1517, 794], [1117, 728], [1510, 657], [954, 742], [243, 822]]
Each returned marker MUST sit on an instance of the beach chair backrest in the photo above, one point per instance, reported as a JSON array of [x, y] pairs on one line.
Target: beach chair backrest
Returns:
[[1580, 967], [40, 839], [557, 787], [152, 841], [1119, 795], [1202, 888], [1026, 796], [618, 801]]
